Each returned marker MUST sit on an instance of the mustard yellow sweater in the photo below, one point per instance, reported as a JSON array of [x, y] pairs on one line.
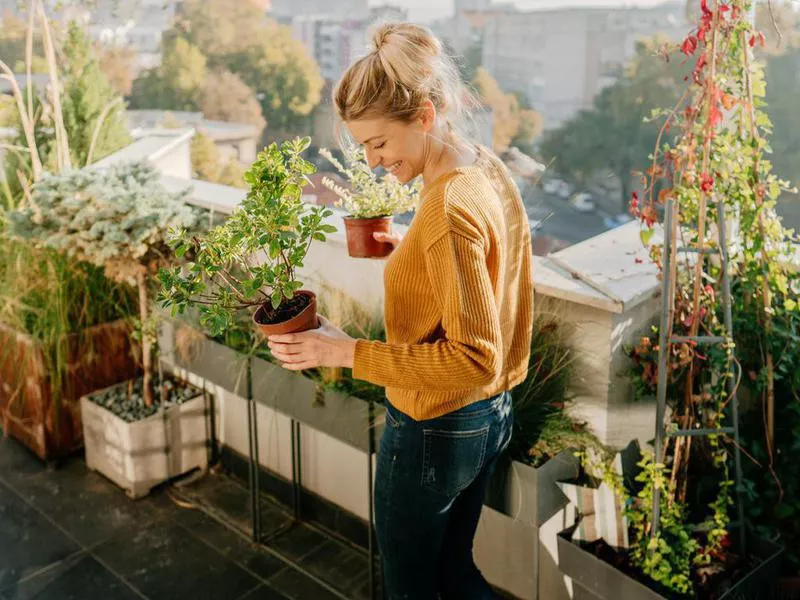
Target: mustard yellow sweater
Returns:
[[459, 296]]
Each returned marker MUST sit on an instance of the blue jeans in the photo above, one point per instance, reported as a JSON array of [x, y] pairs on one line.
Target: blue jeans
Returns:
[[430, 485]]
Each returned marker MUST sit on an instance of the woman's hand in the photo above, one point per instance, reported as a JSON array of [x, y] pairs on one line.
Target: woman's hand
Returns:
[[326, 346], [392, 238]]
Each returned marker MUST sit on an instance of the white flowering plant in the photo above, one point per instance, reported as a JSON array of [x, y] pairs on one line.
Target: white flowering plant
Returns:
[[371, 196]]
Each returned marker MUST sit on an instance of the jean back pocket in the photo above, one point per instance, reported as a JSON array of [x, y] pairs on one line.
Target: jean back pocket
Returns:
[[452, 459]]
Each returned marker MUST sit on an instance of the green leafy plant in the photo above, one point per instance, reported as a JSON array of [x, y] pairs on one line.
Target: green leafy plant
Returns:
[[115, 219], [251, 259], [370, 196], [542, 427], [718, 153]]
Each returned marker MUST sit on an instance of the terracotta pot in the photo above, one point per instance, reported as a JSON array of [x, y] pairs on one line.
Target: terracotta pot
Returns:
[[360, 243], [304, 321]]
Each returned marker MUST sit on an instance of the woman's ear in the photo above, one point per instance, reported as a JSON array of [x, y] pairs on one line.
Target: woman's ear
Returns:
[[427, 116]]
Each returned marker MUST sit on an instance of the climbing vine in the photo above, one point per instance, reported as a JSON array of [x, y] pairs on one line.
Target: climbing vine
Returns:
[[711, 152]]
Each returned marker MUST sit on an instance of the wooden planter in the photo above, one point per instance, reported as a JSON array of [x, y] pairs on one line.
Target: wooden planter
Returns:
[[100, 357], [138, 456], [595, 579]]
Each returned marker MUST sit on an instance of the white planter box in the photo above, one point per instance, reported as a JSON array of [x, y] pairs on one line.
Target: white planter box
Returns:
[[139, 456]]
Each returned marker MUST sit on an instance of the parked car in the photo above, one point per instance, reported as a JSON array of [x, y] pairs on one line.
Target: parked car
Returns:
[[564, 190], [551, 186], [612, 222], [582, 202]]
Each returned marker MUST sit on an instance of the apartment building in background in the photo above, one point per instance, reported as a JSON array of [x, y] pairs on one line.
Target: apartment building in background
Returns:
[[336, 40], [561, 55]]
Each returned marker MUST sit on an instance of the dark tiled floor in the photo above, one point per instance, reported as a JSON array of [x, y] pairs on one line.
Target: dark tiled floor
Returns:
[[69, 534]]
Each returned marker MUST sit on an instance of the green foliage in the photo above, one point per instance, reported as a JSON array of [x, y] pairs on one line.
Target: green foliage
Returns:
[[87, 95], [48, 296], [720, 154], [208, 165], [222, 277], [370, 196], [227, 98], [773, 478], [115, 218], [177, 84], [238, 37], [616, 133], [542, 428]]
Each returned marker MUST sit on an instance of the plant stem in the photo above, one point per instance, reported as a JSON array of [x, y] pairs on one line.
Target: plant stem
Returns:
[[765, 291], [147, 364]]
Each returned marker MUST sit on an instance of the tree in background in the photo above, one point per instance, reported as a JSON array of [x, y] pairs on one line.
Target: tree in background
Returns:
[[512, 123], [177, 84], [614, 134], [227, 98], [238, 37], [93, 116], [117, 64], [208, 165], [94, 113], [531, 126]]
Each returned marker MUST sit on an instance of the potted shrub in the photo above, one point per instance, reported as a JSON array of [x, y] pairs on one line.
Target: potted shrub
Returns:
[[328, 400], [250, 261], [64, 327], [545, 438], [371, 203], [147, 430], [542, 452]]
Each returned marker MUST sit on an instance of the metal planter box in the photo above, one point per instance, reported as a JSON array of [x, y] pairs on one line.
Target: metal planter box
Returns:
[[343, 417], [595, 579], [217, 363], [528, 493]]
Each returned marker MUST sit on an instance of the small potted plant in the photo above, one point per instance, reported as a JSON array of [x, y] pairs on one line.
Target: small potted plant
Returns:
[[144, 431], [371, 203], [251, 260]]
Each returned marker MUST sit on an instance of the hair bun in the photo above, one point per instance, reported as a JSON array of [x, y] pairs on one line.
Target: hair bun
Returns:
[[380, 36]]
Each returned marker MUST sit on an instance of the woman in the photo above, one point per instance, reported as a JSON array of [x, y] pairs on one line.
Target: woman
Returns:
[[458, 316]]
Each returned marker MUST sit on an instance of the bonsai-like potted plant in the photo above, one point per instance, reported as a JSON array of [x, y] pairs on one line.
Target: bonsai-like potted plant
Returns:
[[371, 202], [117, 219], [251, 260]]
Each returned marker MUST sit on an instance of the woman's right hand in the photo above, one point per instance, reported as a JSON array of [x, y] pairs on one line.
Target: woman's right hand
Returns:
[[392, 238]]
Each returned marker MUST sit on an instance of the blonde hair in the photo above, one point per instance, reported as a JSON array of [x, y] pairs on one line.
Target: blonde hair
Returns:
[[405, 68]]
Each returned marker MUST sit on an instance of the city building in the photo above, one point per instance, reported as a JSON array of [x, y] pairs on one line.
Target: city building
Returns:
[[336, 40], [560, 56]]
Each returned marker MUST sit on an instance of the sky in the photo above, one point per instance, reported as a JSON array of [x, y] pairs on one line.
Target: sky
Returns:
[[429, 10]]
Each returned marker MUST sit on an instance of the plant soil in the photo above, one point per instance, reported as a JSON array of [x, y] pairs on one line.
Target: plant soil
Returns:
[[127, 401], [287, 310]]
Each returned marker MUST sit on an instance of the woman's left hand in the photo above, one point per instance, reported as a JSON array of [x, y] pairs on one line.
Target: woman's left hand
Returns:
[[326, 346]]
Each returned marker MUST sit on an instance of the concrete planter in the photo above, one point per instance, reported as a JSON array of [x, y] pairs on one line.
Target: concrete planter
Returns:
[[138, 456], [595, 579]]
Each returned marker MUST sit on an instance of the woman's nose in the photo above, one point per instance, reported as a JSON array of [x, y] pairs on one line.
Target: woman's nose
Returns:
[[372, 159]]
